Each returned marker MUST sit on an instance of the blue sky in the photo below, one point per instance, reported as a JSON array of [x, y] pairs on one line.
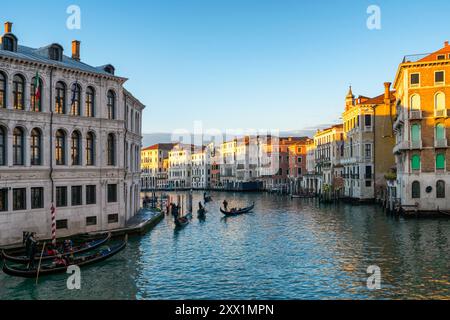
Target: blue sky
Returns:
[[272, 64]]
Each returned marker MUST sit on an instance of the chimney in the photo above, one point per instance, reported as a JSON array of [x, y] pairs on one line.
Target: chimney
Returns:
[[76, 50], [446, 43], [387, 92], [8, 27]]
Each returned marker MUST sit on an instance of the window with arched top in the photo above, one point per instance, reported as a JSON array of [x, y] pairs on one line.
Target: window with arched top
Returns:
[[60, 98], [439, 101], [2, 146], [415, 162], [75, 148], [415, 133], [415, 190], [2, 90], [35, 148], [18, 92], [440, 132], [111, 105], [18, 147], [36, 95], [90, 149], [440, 189], [75, 101], [60, 148], [90, 102], [9, 43], [415, 102], [111, 150], [440, 161]]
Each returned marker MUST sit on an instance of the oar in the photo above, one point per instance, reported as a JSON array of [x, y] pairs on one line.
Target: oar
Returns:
[[40, 260]]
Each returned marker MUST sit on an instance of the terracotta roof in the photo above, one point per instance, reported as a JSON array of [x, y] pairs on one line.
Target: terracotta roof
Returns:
[[379, 99], [433, 56], [158, 146]]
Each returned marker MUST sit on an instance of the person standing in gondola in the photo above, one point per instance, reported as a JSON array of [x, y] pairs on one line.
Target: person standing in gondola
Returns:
[[225, 204], [31, 246]]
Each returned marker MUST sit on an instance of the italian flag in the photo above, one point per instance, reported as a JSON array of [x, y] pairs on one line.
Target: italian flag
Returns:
[[37, 91]]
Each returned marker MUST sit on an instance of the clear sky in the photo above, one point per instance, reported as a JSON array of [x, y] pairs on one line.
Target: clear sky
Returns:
[[273, 64]]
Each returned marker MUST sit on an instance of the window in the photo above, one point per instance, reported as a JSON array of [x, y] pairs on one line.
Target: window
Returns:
[[18, 142], [90, 149], [368, 150], [18, 92], [368, 120], [112, 193], [299, 159], [113, 218], [440, 132], [440, 189], [60, 145], [90, 102], [60, 99], [61, 196], [415, 190], [415, 162], [111, 105], [75, 148], [37, 198], [19, 199], [35, 95], [111, 150], [91, 221], [91, 195], [75, 101], [439, 101], [299, 171], [2, 146], [440, 161], [3, 200], [35, 147], [8, 43], [61, 224], [415, 133], [368, 172], [415, 80], [439, 77], [2, 90], [55, 53], [415, 102], [77, 196], [441, 57]]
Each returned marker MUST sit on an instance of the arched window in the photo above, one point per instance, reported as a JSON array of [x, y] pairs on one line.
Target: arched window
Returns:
[[90, 149], [440, 161], [439, 101], [2, 146], [415, 162], [75, 148], [60, 146], [415, 133], [111, 150], [111, 105], [75, 101], [90, 102], [18, 142], [440, 132], [35, 95], [18, 92], [2, 90], [60, 98], [415, 102], [35, 148], [440, 189], [415, 192]]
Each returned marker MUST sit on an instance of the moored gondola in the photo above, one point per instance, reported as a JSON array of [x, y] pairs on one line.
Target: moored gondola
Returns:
[[86, 247], [181, 222], [52, 269], [235, 212]]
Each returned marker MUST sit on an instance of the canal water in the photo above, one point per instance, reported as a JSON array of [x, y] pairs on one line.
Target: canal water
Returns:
[[285, 249]]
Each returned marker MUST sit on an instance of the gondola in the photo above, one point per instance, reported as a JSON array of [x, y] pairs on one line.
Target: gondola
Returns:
[[181, 222], [237, 212], [201, 212], [51, 269], [88, 246], [207, 199]]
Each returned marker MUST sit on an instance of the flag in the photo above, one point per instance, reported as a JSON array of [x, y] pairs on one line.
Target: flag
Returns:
[[37, 92]]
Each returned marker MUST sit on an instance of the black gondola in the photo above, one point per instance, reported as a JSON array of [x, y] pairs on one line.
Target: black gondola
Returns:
[[88, 246], [207, 198], [51, 269], [237, 212], [181, 222]]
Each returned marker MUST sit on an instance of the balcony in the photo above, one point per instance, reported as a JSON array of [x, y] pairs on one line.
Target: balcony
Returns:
[[415, 145], [440, 113], [401, 146], [440, 143], [415, 115]]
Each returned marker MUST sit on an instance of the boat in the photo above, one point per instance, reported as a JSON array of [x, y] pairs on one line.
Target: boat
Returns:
[[207, 198], [79, 261], [201, 212], [88, 246], [181, 222], [238, 212]]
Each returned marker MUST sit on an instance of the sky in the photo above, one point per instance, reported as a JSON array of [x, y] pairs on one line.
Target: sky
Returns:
[[250, 64]]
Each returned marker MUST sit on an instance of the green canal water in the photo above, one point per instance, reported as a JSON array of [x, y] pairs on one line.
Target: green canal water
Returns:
[[285, 249]]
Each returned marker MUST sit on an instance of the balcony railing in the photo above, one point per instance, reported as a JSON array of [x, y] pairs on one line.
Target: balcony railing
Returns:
[[416, 145], [441, 143], [401, 146], [415, 114], [440, 113]]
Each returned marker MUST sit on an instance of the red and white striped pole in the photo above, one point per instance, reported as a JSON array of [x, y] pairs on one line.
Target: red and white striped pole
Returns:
[[53, 210]]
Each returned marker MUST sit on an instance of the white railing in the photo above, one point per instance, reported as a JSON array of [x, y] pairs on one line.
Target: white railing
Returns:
[[441, 143], [440, 113], [415, 114], [416, 144]]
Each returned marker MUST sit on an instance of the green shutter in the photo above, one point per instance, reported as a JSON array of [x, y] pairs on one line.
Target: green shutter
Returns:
[[440, 161], [415, 162], [415, 133], [440, 132]]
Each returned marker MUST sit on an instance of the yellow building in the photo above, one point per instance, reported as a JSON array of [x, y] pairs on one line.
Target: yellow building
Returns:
[[154, 166]]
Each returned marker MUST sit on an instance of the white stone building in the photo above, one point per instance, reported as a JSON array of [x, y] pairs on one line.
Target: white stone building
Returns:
[[75, 146]]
